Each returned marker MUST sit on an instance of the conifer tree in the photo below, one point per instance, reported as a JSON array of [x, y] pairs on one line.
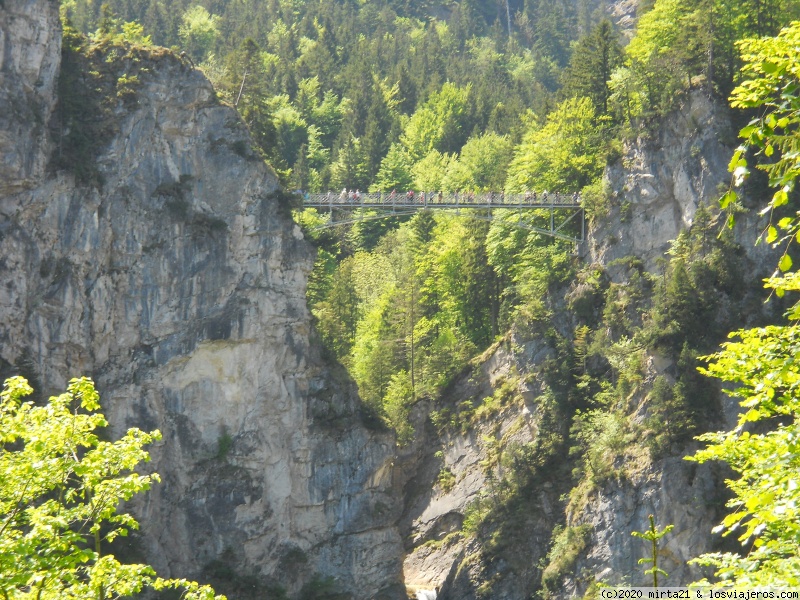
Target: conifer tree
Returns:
[[593, 60]]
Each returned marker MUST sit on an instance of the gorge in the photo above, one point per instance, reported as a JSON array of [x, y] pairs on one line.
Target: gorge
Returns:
[[161, 258]]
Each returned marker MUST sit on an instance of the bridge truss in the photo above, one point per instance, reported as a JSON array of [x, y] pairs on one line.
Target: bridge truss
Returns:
[[543, 213]]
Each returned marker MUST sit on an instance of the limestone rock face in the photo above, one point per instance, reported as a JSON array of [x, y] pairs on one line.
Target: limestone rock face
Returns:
[[662, 179], [453, 471], [685, 495], [657, 187], [178, 284], [30, 49]]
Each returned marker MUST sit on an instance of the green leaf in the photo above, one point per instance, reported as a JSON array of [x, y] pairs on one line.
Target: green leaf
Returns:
[[780, 198], [745, 133], [785, 263], [772, 234], [769, 67], [736, 159], [727, 198]]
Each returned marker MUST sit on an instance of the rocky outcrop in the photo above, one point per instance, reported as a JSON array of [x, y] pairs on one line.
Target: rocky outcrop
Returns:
[[656, 189], [662, 178], [176, 279], [30, 48], [475, 455]]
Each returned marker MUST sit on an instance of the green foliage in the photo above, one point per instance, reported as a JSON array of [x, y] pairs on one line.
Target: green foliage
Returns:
[[198, 32], [446, 480], [527, 266], [702, 269], [669, 418], [337, 314], [600, 437], [762, 449], [771, 80], [652, 535], [438, 124], [474, 515], [60, 488], [224, 445], [595, 57], [763, 366], [567, 545], [481, 166], [564, 155], [596, 198], [348, 170], [395, 172], [397, 402], [429, 172], [678, 40]]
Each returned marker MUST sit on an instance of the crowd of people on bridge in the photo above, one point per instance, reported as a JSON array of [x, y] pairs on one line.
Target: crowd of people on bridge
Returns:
[[413, 197]]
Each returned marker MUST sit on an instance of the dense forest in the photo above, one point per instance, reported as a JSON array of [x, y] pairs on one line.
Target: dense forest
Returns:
[[454, 96], [483, 96]]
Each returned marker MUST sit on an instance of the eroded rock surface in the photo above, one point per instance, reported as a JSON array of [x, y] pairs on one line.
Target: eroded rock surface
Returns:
[[30, 48], [176, 279]]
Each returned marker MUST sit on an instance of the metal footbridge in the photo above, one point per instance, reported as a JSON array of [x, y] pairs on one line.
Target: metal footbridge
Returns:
[[545, 213]]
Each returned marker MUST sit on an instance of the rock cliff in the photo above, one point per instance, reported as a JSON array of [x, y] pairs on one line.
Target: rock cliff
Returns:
[[146, 244], [485, 454], [30, 49]]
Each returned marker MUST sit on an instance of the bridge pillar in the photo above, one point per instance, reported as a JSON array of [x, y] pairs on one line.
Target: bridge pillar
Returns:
[[583, 225]]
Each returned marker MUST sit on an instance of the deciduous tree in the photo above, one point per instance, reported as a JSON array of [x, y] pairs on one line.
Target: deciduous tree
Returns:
[[60, 491]]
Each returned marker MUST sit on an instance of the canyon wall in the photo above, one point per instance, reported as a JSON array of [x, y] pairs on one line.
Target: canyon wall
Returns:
[[456, 471], [144, 242], [171, 272]]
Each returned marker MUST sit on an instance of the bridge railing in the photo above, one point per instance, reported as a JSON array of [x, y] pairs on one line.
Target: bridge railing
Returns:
[[438, 199]]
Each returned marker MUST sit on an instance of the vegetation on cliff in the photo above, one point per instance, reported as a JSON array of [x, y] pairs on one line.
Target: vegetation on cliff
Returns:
[[762, 364], [61, 486]]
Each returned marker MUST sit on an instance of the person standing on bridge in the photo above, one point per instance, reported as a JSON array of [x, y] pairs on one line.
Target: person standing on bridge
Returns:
[[343, 196]]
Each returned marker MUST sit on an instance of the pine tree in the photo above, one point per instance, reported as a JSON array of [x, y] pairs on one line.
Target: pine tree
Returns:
[[594, 59]]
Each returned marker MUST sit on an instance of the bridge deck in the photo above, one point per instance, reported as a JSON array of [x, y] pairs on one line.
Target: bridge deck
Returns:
[[341, 208], [441, 201]]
